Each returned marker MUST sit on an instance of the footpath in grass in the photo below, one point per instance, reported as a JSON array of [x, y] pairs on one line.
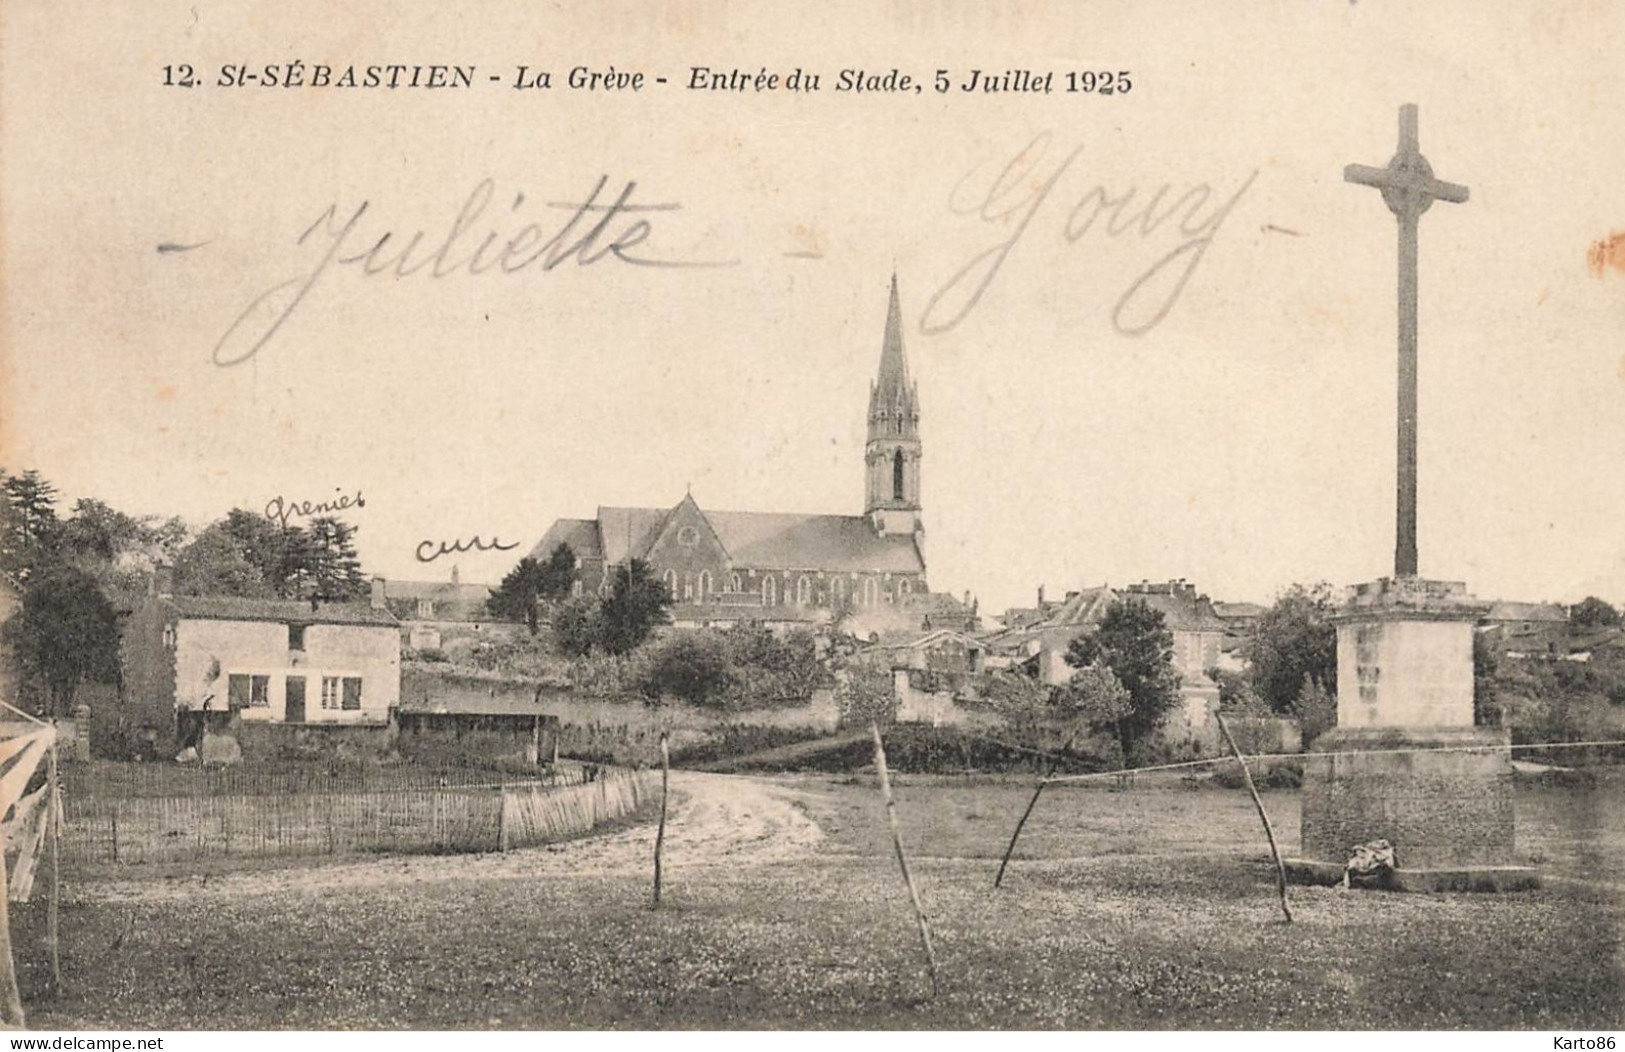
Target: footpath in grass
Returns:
[[1146, 909]]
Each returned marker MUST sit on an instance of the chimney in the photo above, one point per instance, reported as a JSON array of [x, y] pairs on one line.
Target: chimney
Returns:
[[456, 578], [163, 580], [378, 593], [1040, 596]]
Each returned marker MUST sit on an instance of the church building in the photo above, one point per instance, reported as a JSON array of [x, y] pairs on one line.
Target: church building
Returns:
[[775, 566]]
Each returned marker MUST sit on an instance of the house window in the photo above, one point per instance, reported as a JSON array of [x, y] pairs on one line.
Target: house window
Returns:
[[770, 591], [576, 589], [330, 692], [248, 692], [169, 637], [352, 692], [425, 608], [296, 637]]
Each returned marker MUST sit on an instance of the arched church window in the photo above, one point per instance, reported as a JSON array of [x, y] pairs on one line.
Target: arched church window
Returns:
[[837, 589], [705, 584], [897, 475], [735, 584], [803, 591], [770, 591], [905, 587], [871, 589], [688, 586], [670, 577]]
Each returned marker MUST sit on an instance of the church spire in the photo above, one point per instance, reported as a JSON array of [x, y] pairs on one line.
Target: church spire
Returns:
[[892, 405], [893, 380], [892, 456]]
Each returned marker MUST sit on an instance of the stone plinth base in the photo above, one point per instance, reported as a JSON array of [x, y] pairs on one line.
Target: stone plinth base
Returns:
[[1442, 811], [1464, 878]]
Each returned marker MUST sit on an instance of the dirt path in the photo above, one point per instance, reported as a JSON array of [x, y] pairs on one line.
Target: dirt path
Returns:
[[716, 819]]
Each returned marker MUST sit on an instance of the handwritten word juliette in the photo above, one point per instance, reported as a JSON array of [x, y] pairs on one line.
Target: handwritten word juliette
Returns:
[[280, 510], [429, 551], [1010, 200], [596, 229]]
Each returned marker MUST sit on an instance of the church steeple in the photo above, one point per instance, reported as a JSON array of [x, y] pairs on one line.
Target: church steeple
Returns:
[[892, 456]]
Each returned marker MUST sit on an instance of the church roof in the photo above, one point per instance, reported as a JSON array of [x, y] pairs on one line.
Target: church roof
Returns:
[[580, 534], [752, 539]]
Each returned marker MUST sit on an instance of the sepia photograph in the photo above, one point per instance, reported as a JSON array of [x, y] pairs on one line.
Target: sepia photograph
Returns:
[[712, 516]]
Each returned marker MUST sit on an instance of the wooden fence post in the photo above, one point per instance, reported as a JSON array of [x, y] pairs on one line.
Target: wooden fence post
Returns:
[[665, 789], [1269, 831], [902, 858], [1037, 791], [52, 931], [11, 999]]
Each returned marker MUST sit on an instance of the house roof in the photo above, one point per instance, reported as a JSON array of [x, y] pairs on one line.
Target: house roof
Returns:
[[931, 639], [752, 539], [1183, 610], [1238, 611], [439, 591], [291, 611]]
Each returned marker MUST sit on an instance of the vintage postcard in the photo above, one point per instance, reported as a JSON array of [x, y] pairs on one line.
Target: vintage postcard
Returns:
[[735, 516]]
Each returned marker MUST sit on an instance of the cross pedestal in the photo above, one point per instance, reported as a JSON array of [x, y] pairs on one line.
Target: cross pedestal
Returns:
[[1405, 763]]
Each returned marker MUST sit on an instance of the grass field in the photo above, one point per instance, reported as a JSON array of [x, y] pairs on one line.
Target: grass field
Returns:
[[1152, 908]]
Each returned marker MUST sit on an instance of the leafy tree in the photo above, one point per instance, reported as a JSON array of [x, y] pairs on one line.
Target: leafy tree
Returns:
[[1316, 710], [97, 531], [65, 633], [865, 693], [558, 573], [281, 553], [1592, 612], [519, 593], [1135, 645], [28, 523], [332, 567], [1294, 639], [691, 666], [637, 602], [217, 563], [1487, 710], [575, 625], [1093, 698]]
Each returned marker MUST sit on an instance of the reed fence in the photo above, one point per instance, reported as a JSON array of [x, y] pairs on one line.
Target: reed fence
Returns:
[[213, 822]]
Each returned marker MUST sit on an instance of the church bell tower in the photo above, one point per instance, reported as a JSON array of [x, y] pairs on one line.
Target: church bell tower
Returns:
[[892, 456]]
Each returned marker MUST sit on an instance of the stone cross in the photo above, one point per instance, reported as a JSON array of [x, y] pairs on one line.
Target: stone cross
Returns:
[[1408, 189]]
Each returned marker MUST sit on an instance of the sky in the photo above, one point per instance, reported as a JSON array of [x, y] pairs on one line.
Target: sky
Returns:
[[1153, 332]]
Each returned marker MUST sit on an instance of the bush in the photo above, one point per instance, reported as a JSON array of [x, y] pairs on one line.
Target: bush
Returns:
[[742, 739], [433, 655], [1269, 774]]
